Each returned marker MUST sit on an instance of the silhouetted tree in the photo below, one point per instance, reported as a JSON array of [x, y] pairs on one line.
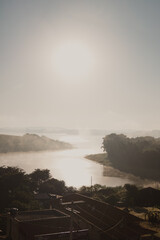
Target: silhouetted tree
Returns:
[[39, 176], [52, 186], [140, 156], [15, 188], [131, 194]]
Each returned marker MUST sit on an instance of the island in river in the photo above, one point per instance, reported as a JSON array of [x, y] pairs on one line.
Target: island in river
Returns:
[[30, 142]]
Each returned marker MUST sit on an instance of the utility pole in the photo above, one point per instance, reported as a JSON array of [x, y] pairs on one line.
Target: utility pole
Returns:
[[72, 212], [91, 185], [71, 227]]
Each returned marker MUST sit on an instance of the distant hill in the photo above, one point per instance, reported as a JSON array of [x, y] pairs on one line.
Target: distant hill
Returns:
[[30, 142]]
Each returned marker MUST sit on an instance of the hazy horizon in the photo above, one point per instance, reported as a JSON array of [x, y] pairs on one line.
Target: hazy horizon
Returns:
[[80, 64]]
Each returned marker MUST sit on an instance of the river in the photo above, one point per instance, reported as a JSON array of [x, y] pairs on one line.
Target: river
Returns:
[[68, 165]]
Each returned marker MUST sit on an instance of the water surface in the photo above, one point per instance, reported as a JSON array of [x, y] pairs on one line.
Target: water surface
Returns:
[[71, 165], [68, 165]]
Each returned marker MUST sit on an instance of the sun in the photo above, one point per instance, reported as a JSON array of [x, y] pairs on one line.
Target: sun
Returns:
[[73, 60]]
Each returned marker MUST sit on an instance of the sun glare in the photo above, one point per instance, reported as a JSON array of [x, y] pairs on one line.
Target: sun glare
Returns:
[[73, 60]]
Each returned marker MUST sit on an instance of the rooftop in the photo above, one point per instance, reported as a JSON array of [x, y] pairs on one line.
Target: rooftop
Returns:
[[43, 214], [110, 221]]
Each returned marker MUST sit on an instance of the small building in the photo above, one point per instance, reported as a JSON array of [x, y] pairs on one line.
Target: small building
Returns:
[[25, 225]]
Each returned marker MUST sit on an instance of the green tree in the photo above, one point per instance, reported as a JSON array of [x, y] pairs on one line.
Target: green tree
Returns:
[[52, 186], [131, 194], [39, 176], [15, 186]]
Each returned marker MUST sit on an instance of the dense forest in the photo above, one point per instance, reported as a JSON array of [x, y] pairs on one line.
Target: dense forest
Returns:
[[139, 156], [30, 142]]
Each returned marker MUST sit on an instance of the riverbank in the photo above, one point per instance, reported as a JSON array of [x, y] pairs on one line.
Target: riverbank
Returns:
[[110, 171], [100, 158]]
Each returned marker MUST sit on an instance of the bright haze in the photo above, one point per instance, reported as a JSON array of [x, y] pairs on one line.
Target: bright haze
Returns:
[[80, 64]]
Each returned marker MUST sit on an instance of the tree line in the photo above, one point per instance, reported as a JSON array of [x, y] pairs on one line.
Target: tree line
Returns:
[[139, 156], [18, 188]]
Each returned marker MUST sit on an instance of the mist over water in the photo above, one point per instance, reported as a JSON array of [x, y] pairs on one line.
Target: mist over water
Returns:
[[78, 64], [68, 165]]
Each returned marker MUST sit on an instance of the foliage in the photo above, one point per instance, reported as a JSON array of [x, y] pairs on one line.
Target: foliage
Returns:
[[153, 217], [124, 196], [131, 195], [18, 188], [52, 186], [139, 156], [110, 195], [39, 176], [15, 186]]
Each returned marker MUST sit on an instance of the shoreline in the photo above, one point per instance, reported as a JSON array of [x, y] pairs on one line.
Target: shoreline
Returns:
[[110, 171]]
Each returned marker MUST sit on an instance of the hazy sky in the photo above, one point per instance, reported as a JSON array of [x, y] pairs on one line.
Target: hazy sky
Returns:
[[80, 63]]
